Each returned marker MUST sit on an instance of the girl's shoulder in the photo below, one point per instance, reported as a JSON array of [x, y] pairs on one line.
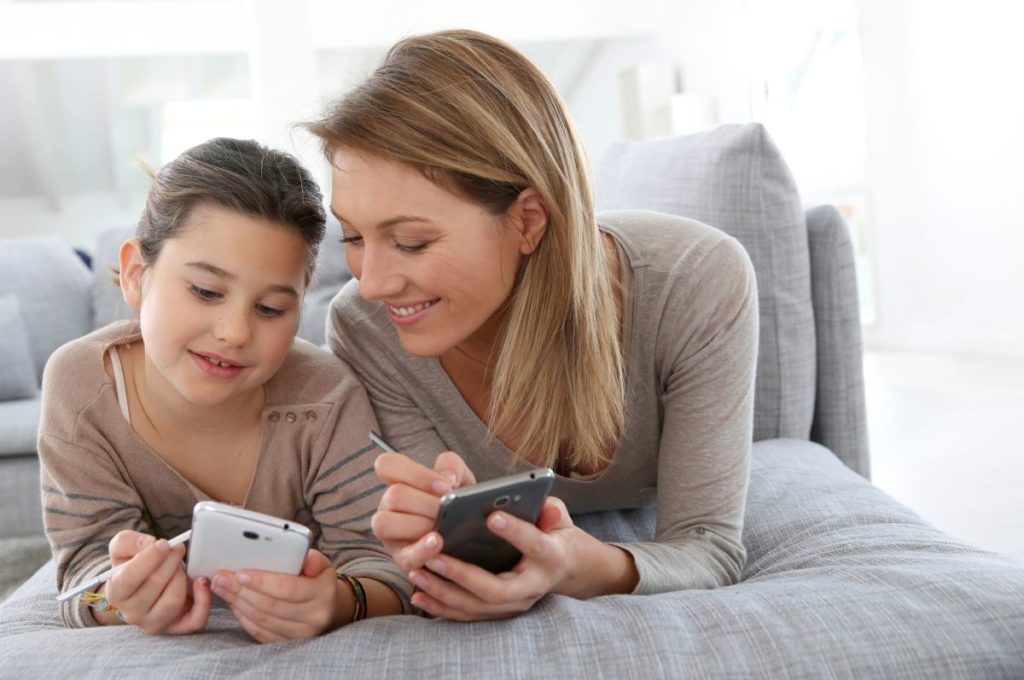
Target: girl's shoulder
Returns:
[[78, 365], [310, 373]]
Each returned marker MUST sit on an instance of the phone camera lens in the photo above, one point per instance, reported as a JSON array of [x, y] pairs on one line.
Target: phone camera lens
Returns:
[[501, 501], [251, 535], [286, 526]]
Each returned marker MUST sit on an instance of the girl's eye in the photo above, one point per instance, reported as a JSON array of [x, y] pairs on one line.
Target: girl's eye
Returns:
[[269, 312], [203, 293], [413, 248], [353, 240]]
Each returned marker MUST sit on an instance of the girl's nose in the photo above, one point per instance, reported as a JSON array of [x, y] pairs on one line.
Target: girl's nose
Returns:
[[233, 327]]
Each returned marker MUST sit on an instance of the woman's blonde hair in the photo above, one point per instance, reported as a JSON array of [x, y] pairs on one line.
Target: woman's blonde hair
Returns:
[[479, 119]]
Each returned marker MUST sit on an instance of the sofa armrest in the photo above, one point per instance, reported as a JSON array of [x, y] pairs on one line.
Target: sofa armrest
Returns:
[[840, 419]]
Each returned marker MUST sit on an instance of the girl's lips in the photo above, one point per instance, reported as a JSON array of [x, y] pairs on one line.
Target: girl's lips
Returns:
[[405, 315], [215, 370]]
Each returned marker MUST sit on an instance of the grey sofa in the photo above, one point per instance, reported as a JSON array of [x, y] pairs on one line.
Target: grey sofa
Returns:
[[841, 580]]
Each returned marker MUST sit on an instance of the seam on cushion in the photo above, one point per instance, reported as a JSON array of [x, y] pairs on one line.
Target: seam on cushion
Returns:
[[777, 359]]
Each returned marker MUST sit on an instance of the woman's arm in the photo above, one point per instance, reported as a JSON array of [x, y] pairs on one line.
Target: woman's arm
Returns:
[[710, 354], [703, 463]]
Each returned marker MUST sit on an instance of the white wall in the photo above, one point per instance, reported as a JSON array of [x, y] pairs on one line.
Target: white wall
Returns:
[[944, 129], [945, 118]]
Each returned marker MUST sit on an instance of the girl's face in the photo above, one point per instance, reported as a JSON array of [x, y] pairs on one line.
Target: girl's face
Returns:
[[219, 307], [441, 264]]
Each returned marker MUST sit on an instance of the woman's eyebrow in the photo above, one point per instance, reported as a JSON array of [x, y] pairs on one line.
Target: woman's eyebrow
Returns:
[[391, 221]]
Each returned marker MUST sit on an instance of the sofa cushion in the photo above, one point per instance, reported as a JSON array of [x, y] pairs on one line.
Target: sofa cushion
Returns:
[[52, 285], [735, 179], [19, 426], [331, 274], [108, 304], [17, 371], [842, 582]]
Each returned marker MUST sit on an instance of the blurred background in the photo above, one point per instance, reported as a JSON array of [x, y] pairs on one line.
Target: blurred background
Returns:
[[902, 113]]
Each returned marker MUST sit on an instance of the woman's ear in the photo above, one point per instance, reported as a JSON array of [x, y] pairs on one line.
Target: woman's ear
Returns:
[[131, 267], [530, 215]]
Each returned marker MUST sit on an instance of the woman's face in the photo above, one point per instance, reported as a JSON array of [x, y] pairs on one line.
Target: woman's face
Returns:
[[441, 264]]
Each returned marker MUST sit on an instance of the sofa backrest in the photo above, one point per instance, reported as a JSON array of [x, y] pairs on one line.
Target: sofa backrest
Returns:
[[734, 178], [51, 284]]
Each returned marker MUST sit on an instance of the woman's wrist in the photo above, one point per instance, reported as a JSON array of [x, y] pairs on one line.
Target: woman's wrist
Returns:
[[597, 568]]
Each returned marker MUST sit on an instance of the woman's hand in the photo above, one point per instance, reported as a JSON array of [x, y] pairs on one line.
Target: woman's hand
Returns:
[[409, 507], [272, 606], [151, 589], [454, 589]]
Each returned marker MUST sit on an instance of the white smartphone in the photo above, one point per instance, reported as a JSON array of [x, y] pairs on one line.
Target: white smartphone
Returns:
[[232, 538], [462, 519]]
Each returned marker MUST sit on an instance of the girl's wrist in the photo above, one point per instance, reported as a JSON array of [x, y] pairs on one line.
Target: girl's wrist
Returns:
[[344, 605]]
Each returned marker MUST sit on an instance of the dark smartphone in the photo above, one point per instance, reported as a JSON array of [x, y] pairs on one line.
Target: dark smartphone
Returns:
[[462, 519]]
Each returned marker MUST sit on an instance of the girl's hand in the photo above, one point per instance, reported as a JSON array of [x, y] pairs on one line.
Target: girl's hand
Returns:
[[151, 589], [408, 508], [552, 559], [273, 606]]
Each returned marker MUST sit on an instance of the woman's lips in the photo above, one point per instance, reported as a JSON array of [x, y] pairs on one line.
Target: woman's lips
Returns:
[[405, 315]]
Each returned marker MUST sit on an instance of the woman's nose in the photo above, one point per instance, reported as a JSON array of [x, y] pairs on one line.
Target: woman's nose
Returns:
[[379, 278]]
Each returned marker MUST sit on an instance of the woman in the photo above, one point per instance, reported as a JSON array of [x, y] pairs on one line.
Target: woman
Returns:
[[497, 317]]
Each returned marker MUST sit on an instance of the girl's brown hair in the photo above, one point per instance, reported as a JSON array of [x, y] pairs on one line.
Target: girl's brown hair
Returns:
[[479, 119], [239, 175]]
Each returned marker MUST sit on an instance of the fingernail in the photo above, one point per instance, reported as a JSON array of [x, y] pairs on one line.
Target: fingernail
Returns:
[[498, 521], [144, 541], [220, 583], [243, 578], [431, 541], [204, 583], [450, 476], [418, 579], [440, 487], [436, 566]]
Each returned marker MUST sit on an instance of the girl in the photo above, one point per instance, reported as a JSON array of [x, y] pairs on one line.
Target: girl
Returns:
[[208, 395], [496, 315]]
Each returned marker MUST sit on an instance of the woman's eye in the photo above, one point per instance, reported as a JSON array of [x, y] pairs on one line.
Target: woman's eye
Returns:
[[412, 247], [269, 312], [203, 293], [352, 240]]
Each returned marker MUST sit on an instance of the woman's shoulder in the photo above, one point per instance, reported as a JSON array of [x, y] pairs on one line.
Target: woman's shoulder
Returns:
[[659, 240], [358, 327]]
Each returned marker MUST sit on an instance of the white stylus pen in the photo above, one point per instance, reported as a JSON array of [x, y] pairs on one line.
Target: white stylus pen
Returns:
[[375, 438], [105, 576]]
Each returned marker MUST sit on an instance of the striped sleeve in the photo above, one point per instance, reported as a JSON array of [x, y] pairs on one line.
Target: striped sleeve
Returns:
[[85, 503], [344, 494]]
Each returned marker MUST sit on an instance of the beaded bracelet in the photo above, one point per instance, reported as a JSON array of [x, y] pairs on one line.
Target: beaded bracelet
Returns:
[[98, 602], [358, 594]]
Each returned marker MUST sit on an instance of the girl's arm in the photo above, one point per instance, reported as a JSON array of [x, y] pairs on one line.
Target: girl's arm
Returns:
[[342, 492], [85, 504]]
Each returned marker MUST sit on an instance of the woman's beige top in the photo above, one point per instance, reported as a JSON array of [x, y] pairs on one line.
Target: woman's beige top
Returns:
[[690, 345]]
